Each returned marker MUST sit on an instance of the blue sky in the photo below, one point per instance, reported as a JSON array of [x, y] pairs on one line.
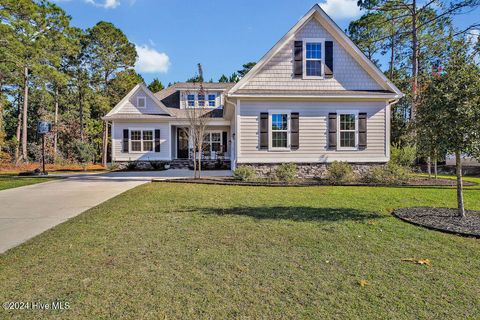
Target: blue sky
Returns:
[[173, 36]]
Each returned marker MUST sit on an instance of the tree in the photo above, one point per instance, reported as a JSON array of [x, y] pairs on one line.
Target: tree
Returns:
[[451, 104], [246, 68], [155, 86], [107, 51], [364, 31], [223, 79], [234, 78], [32, 29]]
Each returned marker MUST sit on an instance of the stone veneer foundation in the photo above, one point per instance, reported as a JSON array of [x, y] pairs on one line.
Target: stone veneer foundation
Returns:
[[307, 170]]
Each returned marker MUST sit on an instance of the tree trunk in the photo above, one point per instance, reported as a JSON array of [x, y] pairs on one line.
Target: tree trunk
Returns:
[[25, 114], [461, 208], [414, 59], [392, 51], [200, 147], [80, 100], [435, 165], [55, 121], [19, 131], [429, 167]]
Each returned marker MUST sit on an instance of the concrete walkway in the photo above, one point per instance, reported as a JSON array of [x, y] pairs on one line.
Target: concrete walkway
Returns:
[[30, 210]]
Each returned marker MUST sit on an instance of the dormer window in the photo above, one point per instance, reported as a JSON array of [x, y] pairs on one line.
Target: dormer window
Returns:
[[201, 100], [313, 58], [191, 100], [211, 100], [141, 102]]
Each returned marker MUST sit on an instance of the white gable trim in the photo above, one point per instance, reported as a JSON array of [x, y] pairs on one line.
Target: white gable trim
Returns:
[[317, 13], [129, 95]]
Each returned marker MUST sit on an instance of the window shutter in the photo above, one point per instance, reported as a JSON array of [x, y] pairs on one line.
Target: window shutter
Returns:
[[298, 59], [332, 130], [328, 59], [157, 140], [125, 141], [294, 131], [263, 130], [362, 130], [225, 141]]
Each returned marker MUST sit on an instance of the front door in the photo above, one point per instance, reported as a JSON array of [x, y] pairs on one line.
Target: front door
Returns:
[[182, 144]]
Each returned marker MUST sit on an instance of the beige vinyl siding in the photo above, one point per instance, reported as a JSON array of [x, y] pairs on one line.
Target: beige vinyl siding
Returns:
[[130, 106], [313, 132], [117, 140], [278, 72]]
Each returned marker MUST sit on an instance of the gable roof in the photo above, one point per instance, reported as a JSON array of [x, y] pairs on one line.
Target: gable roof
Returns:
[[317, 13], [127, 97]]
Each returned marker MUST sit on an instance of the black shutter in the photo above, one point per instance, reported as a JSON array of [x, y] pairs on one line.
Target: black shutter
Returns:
[[298, 59], [225, 141], [362, 130], [157, 140], [125, 141], [332, 130], [328, 59], [263, 130], [294, 131]]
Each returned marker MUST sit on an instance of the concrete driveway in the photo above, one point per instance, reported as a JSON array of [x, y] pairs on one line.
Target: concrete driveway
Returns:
[[28, 211]]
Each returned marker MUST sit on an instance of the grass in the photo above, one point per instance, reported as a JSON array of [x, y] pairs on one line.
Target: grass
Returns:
[[204, 251], [8, 181]]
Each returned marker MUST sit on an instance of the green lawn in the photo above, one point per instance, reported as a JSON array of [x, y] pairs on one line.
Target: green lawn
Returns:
[[8, 181], [220, 252]]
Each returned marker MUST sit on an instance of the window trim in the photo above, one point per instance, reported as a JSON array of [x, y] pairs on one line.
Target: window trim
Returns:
[[141, 139], [270, 135], [339, 141], [188, 100], [209, 133], [144, 98], [208, 100], [322, 59]]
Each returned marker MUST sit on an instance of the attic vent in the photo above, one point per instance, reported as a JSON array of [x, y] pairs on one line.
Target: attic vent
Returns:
[[141, 102]]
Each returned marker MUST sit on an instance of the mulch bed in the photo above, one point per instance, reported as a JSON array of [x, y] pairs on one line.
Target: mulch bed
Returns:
[[417, 181], [442, 219]]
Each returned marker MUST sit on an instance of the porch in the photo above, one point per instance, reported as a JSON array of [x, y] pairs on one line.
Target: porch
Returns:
[[216, 144]]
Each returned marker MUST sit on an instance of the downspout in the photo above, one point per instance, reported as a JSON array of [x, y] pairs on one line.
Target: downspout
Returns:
[[233, 134]]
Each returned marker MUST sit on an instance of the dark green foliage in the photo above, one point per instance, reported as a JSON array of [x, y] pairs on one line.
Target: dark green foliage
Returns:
[[340, 172], [245, 69], [158, 165], [286, 172], [85, 152], [223, 79], [155, 86]]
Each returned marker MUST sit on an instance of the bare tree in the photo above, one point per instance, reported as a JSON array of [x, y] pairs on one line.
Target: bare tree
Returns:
[[198, 118]]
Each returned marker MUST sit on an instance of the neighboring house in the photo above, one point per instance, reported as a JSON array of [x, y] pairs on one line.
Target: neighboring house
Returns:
[[312, 99], [450, 160]]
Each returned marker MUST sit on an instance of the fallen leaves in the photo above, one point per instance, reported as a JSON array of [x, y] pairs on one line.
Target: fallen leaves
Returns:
[[425, 262], [372, 222], [362, 283]]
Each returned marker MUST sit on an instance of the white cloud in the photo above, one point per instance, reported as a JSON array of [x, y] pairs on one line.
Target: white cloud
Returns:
[[150, 60], [341, 9], [107, 4], [473, 35]]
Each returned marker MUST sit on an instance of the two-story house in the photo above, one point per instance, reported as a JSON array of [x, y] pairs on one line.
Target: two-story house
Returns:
[[312, 99]]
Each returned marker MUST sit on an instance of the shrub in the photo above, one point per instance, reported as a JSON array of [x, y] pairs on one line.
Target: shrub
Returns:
[[157, 165], [390, 174], [405, 156], [131, 165], [84, 152], [286, 172], [245, 173], [340, 172]]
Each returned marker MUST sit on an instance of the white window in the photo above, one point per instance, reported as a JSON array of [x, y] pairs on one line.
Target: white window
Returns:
[[279, 129], [211, 100], [347, 129], [141, 102], [191, 100], [141, 140], [212, 142], [201, 100], [313, 58]]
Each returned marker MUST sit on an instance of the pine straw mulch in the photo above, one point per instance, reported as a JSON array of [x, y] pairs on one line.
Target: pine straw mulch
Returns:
[[442, 219]]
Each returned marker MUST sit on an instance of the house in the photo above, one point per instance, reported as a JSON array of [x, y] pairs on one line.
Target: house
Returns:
[[312, 99]]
